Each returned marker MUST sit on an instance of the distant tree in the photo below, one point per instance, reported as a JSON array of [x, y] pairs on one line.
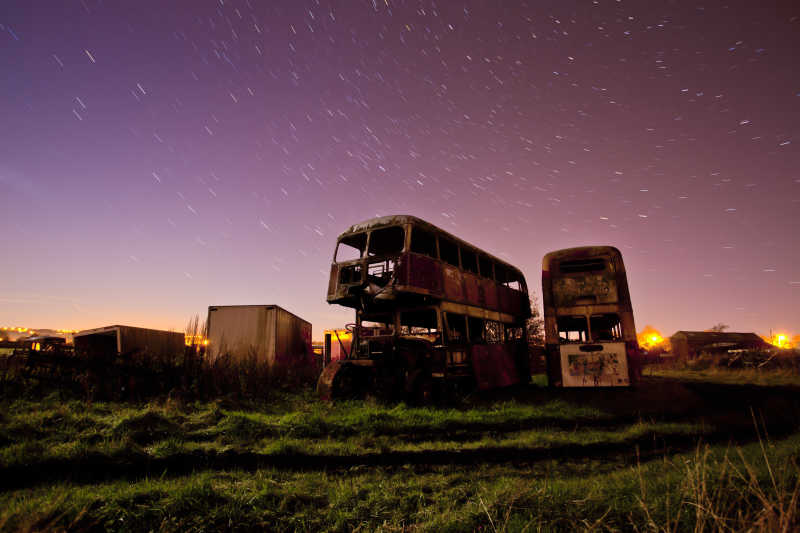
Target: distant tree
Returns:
[[719, 327], [535, 324]]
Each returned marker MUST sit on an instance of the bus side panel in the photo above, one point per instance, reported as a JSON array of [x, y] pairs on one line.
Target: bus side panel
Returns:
[[553, 359], [453, 286], [489, 294], [472, 290], [504, 358], [425, 272], [481, 366], [520, 301], [494, 365], [507, 300]]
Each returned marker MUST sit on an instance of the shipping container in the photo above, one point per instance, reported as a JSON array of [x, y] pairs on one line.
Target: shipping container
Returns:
[[129, 340], [272, 338]]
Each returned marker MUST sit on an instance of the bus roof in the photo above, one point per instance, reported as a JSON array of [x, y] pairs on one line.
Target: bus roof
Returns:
[[398, 220], [578, 252]]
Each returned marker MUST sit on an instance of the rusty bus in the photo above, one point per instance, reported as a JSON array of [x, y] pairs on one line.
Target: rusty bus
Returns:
[[431, 312], [590, 335]]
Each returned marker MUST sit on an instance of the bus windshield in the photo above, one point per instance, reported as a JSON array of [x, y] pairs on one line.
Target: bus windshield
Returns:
[[351, 247], [387, 241]]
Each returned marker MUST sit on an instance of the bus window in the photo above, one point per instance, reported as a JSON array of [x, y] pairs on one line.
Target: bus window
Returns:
[[351, 247], [476, 329], [380, 324], [596, 264], [514, 281], [572, 329], [380, 272], [456, 328], [387, 241], [423, 242], [494, 332], [500, 274], [469, 260], [448, 251], [513, 333], [606, 327], [486, 266], [420, 322]]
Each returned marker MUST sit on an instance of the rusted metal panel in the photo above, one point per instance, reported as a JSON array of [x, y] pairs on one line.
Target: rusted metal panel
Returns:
[[453, 288], [494, 365], [425, 272], [472, 289], [490, 294]]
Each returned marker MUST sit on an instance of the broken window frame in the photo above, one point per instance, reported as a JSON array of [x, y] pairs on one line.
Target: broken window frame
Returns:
[[428, 249], [406, 329], [380, 272], [379, 235], [448, 247], [486, 266], [514, 333], [494, 332], [614, 332], [581, 331], [456, 330], [370, 322], [476, 328], [585, 265], [344, 241], [469, 260]]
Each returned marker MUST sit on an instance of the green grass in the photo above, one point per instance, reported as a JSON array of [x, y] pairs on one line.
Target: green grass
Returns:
[[714, 486], [527, 460]]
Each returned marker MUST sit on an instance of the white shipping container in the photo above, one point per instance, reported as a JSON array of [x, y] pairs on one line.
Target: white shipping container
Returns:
[[268, 335]]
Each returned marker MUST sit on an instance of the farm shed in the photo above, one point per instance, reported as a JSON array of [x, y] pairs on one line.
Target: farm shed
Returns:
[[269, 336], [128, 340], [690, 344]]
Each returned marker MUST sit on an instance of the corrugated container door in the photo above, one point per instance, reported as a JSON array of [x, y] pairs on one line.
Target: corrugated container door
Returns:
[[268, 329]]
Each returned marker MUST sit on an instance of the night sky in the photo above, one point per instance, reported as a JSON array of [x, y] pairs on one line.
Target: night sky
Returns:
[[161, 157]]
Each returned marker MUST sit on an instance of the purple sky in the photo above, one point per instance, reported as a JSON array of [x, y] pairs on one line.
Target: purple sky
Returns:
[[160, 157]]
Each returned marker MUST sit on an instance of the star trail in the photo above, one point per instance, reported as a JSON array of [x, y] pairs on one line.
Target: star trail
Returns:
[[161, 157]]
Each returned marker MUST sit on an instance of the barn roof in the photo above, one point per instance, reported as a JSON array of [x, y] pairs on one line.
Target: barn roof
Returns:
[[712, 337]]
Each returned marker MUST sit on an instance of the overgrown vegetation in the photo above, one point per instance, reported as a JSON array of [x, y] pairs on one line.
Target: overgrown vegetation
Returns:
[[773, 367], [670, 455]]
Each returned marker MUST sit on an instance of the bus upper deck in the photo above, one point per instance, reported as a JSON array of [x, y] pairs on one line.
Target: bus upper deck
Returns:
[[405, 260]]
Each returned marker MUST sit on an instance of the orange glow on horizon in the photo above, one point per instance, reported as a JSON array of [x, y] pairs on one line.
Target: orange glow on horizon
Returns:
[[650, 338], [782, 340]]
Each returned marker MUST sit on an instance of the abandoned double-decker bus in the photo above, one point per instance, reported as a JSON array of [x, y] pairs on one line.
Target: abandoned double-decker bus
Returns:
[[590, 335], [431, 312]]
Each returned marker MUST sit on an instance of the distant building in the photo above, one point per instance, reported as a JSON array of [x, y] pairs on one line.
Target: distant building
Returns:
[[690, 344]]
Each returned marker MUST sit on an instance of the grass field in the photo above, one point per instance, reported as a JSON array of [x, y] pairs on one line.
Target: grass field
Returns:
[[673, 454]]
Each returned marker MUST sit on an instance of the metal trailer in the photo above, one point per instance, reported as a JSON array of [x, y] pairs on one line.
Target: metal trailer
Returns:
[[275, 340], [128, 340]]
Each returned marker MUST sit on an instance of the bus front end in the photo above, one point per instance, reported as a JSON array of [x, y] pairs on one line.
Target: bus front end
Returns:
[[589, 328]]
